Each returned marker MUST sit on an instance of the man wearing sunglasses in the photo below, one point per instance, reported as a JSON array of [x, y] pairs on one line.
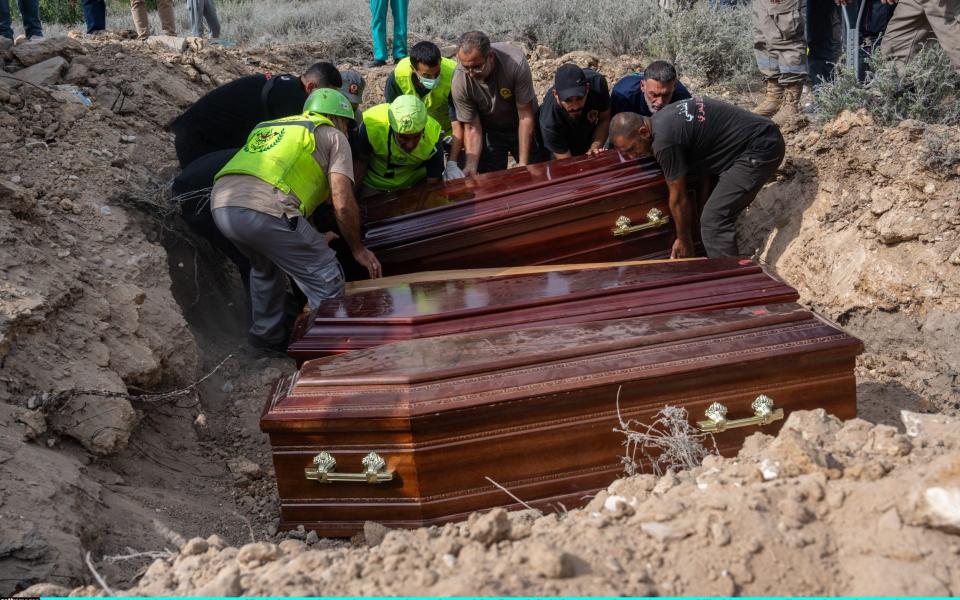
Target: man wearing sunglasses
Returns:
[[494, 97], [398, 146]]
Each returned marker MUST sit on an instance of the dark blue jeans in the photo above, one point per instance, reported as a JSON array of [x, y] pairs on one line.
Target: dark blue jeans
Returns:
[[29, 10], [95, 14]]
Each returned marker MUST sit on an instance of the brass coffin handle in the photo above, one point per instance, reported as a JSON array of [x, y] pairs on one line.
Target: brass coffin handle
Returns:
[[324, 464], [763, 414], [624, 226]]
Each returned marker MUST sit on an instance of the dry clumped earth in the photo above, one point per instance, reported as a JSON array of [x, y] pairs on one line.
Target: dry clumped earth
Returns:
[[104, 291]]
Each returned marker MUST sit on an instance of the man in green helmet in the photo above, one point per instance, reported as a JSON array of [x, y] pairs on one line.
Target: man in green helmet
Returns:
[[397, 146], [429, 76], [264, 196]]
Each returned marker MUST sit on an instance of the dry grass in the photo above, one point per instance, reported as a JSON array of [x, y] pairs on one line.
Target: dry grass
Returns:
[[670, 442], [712, 44]]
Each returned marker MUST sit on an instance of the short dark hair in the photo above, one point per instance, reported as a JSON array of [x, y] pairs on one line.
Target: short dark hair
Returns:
[[660, 70], [474, 40], [624, 124], [424, 53], [324, 75]]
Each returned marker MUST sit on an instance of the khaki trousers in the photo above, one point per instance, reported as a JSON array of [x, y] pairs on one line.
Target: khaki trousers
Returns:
[[168, 21], [779, 39], [915, 22]]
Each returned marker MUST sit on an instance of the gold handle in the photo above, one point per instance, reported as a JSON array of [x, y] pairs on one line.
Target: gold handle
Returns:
[[624, 226], [324, 464], [763, 414]]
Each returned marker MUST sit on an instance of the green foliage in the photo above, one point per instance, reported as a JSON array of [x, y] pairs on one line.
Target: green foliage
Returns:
[[64, 12], [926, 88], [716, 44]]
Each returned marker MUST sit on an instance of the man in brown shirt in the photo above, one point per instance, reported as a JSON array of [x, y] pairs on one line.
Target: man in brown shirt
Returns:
[[494, 97]]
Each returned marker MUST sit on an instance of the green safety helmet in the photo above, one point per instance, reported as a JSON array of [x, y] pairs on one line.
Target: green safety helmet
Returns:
[[327, 101], [407, 114]]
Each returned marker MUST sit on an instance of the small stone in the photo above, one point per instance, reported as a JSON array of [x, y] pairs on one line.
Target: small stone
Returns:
[[261, 552], [66, 205], [292, 547], [105, 211], [227, 388], [374, 533], [51, 442], [929, 188], [720, 533], [196, 545], [128, 139], [312, 538], [225, 584], [272, 530], [217, 542], [244, 467], [491, 528]]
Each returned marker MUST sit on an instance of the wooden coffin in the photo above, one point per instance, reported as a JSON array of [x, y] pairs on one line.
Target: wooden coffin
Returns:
[[548, 213], [463, 304], [407, 434]]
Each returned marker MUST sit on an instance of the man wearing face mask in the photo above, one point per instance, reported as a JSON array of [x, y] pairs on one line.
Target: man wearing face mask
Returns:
[[264, 196], [398, 146], [575, 116], [428, 76], [647, 92], [702, 138], [495, 100]]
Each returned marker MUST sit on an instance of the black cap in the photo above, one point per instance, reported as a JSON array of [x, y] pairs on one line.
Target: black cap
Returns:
[[570, 81]]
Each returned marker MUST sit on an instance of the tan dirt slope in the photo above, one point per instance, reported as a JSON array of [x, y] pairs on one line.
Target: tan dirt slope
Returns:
[[102, 289]]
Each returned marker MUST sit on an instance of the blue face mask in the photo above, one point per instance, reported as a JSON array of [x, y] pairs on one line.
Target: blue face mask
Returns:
[[428, 83]]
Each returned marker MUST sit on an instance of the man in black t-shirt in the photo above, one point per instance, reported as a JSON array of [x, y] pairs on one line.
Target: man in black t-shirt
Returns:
[[575, 116], [705, 137], [224, 117]]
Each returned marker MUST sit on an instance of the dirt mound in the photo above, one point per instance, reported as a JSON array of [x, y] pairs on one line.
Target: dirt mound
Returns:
[[826, 507], [869, 232]]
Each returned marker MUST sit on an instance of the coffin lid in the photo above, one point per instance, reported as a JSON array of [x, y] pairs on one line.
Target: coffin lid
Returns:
[[451, 207], [431, 301], [405, 365]]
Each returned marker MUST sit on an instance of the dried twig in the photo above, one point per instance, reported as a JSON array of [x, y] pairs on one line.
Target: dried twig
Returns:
[[100, 580], [168, 534], [511, 494], [670, 442], [151, 554], [61, 397]]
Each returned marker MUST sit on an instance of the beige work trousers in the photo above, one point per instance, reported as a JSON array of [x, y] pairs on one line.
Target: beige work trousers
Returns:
[[915, 22], [168, 21], [779, 42]]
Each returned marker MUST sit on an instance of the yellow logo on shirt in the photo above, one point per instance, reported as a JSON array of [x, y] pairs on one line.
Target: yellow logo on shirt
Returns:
[[505, 93]]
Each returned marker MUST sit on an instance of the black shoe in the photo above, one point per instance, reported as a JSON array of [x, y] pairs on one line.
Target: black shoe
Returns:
[[259, 344], [375, 63]]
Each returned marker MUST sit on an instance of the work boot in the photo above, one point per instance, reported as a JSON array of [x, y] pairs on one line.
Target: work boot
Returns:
[[774, 98], [791, 103]]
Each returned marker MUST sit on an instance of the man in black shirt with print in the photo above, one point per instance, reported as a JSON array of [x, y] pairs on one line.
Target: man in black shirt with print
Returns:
[[705, 137], [575, 116], [224, 117]]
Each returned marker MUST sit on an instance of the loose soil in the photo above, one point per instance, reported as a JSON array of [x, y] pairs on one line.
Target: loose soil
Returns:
[[106, 300]]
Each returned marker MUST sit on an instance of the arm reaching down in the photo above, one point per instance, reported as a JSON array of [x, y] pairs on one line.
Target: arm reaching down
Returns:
[[348, 219]]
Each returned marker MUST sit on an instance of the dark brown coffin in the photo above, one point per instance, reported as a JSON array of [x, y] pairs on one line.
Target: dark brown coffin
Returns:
[[422, 309], [532, 409], [548, 213]]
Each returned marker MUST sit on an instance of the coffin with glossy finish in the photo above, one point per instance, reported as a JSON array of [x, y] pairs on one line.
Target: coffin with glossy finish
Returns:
[[548, 213], [460, 305], [532, 409]]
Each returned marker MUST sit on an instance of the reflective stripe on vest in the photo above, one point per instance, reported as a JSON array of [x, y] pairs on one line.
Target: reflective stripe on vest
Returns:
[[391, 168], [280, 153], [437, 99]]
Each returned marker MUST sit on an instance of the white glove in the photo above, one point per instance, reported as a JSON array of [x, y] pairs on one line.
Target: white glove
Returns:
[[452, 171]]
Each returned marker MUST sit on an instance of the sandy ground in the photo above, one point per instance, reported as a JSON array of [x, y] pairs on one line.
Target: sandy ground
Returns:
[[106, 301]]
